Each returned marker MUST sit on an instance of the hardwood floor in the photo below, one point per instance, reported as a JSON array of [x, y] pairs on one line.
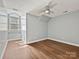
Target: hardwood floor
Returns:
[[46, 49]]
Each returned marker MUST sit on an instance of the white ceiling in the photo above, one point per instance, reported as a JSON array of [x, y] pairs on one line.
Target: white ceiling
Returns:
[[28, 5]]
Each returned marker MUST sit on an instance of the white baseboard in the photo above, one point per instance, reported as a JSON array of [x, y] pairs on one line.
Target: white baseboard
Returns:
[[4, 50], [73, 44], [14, 39], [64, 42], [37, 40]]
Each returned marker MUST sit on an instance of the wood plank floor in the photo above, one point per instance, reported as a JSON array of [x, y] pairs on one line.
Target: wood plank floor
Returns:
[[46, 49]]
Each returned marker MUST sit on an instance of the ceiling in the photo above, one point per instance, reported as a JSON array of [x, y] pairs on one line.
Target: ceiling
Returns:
[[25, 6]]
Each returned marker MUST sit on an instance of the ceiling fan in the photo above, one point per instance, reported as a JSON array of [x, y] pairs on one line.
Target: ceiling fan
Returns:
[[48, 9]]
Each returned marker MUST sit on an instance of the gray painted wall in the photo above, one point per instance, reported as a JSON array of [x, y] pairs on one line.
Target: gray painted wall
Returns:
[[37, 27], [3, 27], [3, 33], [3, 36], [14, 35], [3, 41], [65, 27]]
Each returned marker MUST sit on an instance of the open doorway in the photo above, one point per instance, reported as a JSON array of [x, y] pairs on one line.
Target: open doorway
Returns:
[[14, 27]]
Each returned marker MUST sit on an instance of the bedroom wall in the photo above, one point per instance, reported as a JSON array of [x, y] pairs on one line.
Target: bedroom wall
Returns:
[[14, 35], [65, 28], [3, 32], [37, 27], [3, 27]]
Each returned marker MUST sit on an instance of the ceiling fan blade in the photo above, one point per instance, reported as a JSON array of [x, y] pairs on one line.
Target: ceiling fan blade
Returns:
[[50, 2], [41, 11], [47, 9], [53, 5]]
